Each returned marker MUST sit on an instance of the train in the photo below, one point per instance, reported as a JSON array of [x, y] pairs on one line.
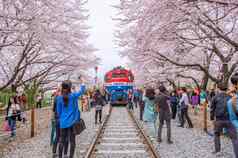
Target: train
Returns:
[[119, 83]]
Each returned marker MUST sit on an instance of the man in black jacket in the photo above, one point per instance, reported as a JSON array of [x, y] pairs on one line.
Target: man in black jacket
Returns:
[[219, 112], [161, 102]]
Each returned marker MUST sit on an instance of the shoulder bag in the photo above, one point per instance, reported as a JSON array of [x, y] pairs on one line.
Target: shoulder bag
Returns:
[[79, 125]]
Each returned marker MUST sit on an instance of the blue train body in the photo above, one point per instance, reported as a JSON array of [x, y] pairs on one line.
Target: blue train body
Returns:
[[119, 93], [119, 85]]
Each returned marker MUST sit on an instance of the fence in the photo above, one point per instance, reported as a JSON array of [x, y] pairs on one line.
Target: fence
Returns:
[[35, 124]]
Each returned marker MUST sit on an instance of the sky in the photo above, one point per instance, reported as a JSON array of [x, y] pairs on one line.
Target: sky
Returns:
[[102, 34]]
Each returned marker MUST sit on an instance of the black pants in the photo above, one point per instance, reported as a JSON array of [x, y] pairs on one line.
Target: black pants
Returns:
[[141, 106], [231, 131], [164, 116], [135, 102], [130, 105], [66, 134], [184, 115], [38, 104], [98, 112], [174, 110]]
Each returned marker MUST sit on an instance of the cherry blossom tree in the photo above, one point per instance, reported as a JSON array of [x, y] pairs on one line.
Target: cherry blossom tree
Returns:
[[197, 36], [43, 41]]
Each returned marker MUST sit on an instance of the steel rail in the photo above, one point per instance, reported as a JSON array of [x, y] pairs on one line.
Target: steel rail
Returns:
[[145, 136], [94, 142]]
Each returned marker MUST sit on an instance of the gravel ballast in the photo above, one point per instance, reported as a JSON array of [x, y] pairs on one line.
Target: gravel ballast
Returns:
[[189, 143]]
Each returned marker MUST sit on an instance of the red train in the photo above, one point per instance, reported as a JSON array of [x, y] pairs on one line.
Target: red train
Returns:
[[119, 74]]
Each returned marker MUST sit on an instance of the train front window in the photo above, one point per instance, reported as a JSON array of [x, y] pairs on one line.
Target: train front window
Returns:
[[117, 75]]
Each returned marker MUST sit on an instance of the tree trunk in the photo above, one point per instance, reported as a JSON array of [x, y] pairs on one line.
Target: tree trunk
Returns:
[[205, 82], [171, 82]]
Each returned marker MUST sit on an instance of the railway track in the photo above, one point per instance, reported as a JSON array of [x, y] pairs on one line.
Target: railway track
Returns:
[[120, 135]]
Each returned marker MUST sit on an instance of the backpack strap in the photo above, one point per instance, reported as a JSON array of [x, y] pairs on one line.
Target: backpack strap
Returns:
[[225, 104]]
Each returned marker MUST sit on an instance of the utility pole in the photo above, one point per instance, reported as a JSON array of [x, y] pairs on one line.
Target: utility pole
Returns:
[[96, 75], [205, 116]]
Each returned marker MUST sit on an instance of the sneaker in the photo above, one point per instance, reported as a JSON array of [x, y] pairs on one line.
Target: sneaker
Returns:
[[159, 140], [11, 138], [170, 142]]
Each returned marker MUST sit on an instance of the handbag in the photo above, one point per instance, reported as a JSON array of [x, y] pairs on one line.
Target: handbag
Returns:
[[6, 126], [79, 127]]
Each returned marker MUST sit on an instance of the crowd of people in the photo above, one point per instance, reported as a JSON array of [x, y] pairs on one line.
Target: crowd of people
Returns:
[[158, 104], [156, 107]]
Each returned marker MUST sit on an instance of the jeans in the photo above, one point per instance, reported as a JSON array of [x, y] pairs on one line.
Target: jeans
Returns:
[[55, 144], [12, 124], [174, 110], [232, 133], [66, 134], [98, 112], [184, 115]]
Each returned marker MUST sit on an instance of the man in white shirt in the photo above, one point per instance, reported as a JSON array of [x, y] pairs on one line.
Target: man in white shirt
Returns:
[[184, 102]]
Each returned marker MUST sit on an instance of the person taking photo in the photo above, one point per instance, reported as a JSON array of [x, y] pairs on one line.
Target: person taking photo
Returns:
[[68, 114]]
